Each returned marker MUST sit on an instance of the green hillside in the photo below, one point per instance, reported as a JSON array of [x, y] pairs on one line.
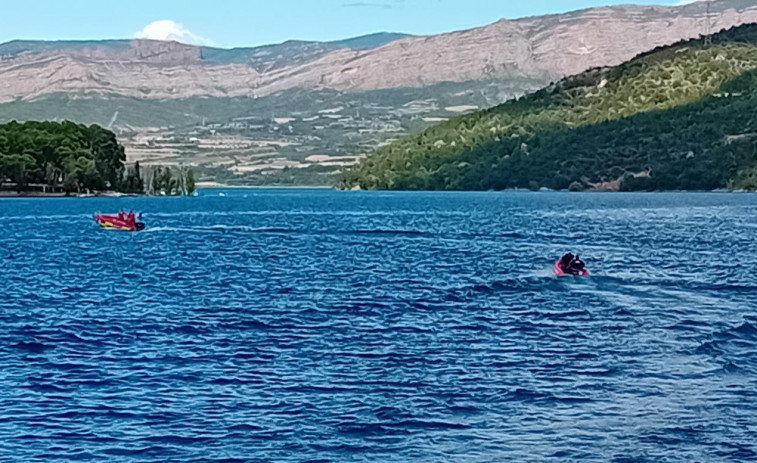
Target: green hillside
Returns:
[[679, 117]]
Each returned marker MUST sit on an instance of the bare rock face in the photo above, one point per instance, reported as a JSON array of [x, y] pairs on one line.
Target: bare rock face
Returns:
[[539, 48], [165, 53], [547, 47]]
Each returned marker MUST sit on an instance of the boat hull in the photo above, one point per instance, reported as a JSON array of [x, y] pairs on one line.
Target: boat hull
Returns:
[[113, 222]]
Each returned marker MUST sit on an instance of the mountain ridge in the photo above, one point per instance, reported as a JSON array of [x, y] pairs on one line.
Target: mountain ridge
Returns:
[[367, 41], [543, 48]]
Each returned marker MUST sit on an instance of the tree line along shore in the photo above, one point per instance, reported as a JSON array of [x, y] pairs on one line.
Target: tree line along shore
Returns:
[[64, 158]]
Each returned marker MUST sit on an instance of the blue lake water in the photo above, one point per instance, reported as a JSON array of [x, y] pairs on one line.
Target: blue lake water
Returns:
[[324, 326]]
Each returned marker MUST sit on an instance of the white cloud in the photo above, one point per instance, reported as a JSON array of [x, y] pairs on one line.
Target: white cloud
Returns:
[[168, 30]]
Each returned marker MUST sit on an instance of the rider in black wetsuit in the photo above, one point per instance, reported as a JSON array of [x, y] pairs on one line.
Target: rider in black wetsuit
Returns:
[[572, 265]]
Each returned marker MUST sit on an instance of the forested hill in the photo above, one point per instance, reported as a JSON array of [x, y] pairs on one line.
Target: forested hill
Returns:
[[679, 117]]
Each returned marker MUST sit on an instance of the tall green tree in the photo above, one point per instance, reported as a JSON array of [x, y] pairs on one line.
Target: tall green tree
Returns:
[[190, 184], [16, 167]]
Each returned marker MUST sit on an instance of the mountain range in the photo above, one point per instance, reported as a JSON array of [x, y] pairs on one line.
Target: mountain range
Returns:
[[300, 111]]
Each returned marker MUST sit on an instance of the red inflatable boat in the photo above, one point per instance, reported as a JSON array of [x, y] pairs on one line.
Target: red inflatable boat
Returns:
[[119, 222]]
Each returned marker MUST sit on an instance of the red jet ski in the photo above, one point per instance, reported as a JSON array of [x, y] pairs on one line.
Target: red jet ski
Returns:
[[120, 221], [570, 265]]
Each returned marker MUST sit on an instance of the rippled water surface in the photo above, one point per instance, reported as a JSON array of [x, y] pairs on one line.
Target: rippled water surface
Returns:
[[323, 326]]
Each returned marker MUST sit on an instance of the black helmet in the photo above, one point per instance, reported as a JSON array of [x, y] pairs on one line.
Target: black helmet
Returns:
[[577, 264]]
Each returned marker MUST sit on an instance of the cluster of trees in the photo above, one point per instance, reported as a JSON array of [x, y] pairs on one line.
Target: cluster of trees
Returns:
[[676, 118], [167, 182], [64, 155], [77, 158], [159, 181]]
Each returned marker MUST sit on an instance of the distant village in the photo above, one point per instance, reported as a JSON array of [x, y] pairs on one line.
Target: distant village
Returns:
[[315, 144]]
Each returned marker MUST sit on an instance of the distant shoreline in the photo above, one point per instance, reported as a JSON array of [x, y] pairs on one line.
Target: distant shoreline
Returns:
[[110, 194], [39, 194], [31, 194], [206, 185], [36, 194]]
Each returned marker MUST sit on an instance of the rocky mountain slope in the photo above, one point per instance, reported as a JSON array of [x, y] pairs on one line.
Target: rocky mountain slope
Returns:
[[679, 117], [539, 48]]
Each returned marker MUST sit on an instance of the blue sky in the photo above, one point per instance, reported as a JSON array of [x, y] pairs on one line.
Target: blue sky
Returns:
[[229, 23]]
